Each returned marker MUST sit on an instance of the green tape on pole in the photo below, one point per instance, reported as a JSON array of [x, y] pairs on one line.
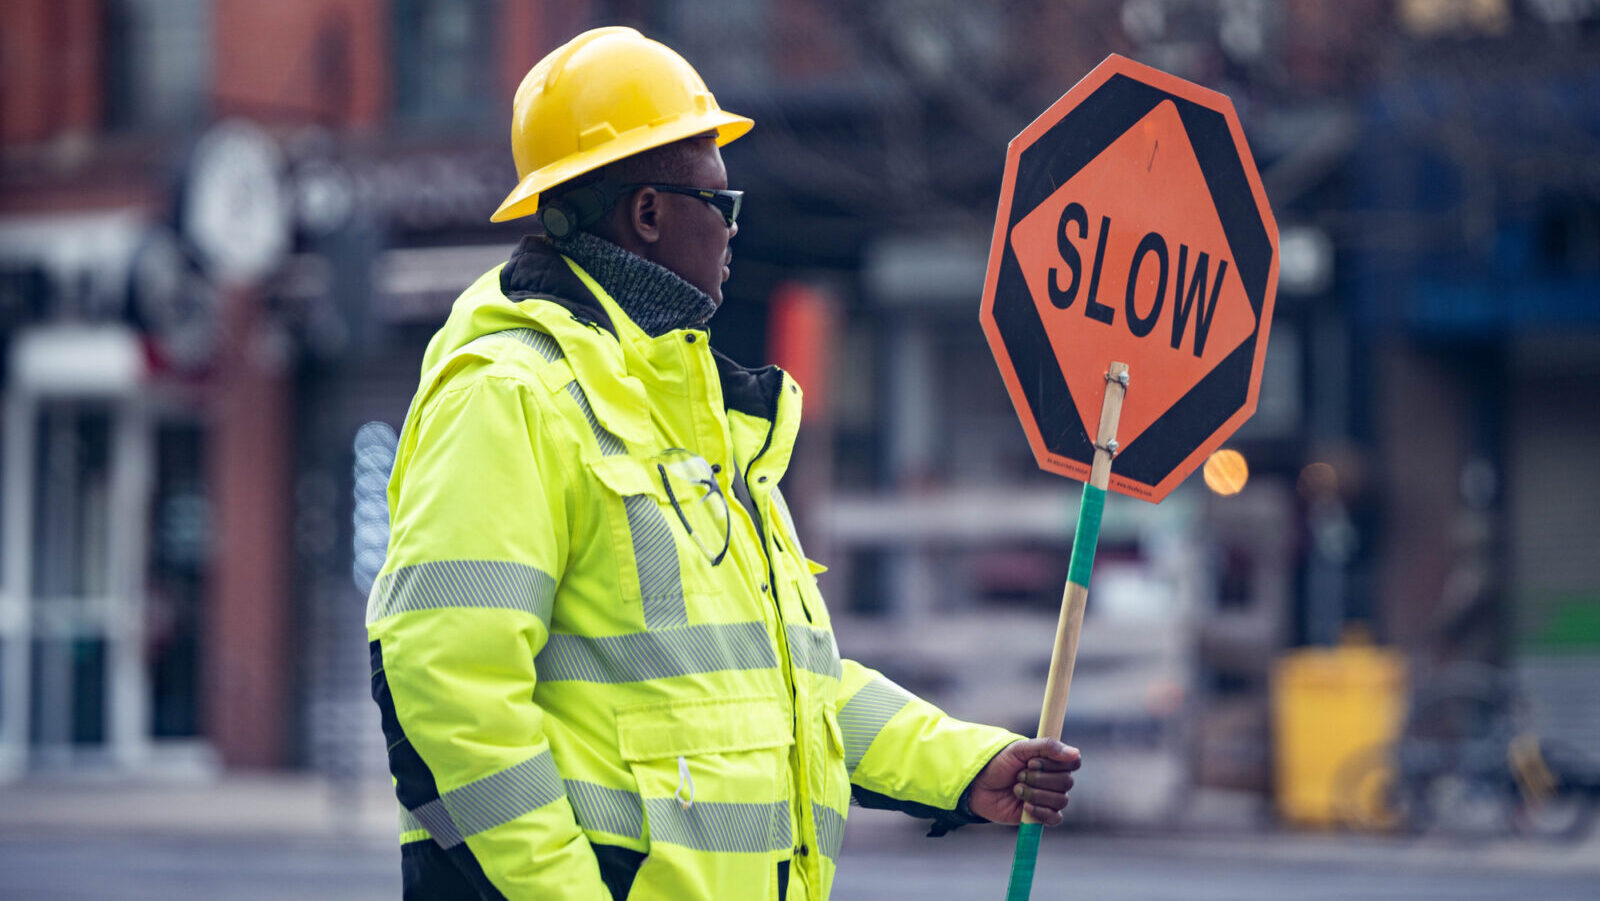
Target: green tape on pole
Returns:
[[1088, 535], [1022, 862]]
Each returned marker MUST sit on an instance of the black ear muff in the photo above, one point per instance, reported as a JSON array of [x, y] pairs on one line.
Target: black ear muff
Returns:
[[576, 209], [558, 219]]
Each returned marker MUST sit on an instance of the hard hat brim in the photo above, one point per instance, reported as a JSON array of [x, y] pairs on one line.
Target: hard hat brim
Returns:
[[524, 198]]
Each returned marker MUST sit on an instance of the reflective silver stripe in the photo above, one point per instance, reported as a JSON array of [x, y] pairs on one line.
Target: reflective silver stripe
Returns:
[[655, 552], [440, 584], [788, 521], [610, 445], [409, 822], [436, 819], [830, 829], [488, 802], [502, 797], [546, 346], [612, 810], [813, 650], [864, 716], [720, 826], [642, 656], [539, 341], [782, 826]]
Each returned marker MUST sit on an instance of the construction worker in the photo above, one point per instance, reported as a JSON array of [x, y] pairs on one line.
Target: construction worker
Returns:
[[602, 660]]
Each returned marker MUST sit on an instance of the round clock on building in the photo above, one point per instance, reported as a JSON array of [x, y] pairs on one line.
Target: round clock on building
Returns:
[[236, 208]]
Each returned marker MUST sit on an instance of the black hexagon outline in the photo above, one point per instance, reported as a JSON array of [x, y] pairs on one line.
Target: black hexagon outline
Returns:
[[1069, 145]]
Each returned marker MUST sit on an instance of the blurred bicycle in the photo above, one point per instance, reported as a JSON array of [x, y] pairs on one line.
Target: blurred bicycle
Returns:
[[1468, 764]]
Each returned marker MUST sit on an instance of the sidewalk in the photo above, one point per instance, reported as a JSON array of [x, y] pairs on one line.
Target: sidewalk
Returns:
[[264, 805], [296, 807]]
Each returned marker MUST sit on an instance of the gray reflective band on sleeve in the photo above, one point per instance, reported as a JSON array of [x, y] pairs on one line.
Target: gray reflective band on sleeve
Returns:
[[610, 445], [830, 829], [492, 801], [603, 809], [542, 343], [813, 650], [539, 341], [436, 819], [655, 552], [865, 714], [546, 346], [642, 656], [502, 797], [409, 822], [720, 827], [440, 584]]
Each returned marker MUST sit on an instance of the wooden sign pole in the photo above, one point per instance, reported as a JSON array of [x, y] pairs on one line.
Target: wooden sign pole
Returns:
[[1073, 601]]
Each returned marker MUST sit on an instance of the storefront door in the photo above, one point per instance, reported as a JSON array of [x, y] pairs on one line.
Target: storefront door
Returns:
[[96, 618]]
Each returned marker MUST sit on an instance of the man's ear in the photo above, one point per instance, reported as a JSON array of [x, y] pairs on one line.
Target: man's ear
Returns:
[[644, 215]]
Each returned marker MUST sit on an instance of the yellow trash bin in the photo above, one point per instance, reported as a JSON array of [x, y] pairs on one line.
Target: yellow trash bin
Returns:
[[1329, 705]]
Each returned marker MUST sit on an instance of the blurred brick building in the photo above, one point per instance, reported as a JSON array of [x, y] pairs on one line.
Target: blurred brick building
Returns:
[[172, 527]]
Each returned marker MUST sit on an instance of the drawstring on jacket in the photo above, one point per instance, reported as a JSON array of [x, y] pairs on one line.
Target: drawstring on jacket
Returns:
[[684, 779]]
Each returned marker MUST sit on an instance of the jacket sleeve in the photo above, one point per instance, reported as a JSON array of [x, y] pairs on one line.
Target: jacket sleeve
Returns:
[[905, 754], [478, 539]]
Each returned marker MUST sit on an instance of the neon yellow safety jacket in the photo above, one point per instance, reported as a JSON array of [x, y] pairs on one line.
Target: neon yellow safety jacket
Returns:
[[580, 700]]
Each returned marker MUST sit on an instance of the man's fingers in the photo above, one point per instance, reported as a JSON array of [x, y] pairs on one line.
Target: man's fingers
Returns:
[[1058, 782], [1040, 797], [1044, 815], [1048, 753], [1046, 765]]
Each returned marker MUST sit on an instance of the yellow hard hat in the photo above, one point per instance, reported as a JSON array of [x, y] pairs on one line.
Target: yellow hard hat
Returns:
[[605, 95]]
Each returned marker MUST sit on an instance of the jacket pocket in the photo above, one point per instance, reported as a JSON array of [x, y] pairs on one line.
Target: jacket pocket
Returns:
[[643, 531], [834, 793], [712, 778]]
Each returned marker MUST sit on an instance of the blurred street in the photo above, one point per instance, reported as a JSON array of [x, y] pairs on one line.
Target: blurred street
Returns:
[[275, 838]]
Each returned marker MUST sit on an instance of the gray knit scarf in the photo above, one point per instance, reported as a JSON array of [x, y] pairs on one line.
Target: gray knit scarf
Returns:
[[654, 297]]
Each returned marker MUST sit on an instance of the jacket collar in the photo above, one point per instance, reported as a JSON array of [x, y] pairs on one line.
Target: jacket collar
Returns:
[[537, 272]]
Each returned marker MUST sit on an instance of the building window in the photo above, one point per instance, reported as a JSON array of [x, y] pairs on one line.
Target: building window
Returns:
[[158, 63], [444, 61]]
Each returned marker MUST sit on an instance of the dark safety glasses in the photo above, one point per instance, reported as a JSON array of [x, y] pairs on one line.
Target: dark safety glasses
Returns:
[[691, 486], [726, 202]]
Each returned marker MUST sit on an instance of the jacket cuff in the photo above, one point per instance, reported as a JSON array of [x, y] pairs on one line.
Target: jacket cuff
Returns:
[[952, 820]]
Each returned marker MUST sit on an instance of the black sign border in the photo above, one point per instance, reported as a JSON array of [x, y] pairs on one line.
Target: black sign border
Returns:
[[1069, 145]]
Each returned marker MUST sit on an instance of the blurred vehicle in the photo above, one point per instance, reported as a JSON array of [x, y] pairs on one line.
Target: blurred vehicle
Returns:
[[1468, 763]]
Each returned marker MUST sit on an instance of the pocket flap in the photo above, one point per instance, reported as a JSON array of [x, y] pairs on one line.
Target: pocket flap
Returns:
[[706, 726], [625, 476], [834, 732]]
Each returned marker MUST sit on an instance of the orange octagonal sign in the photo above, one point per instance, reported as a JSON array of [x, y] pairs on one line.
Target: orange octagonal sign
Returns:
[[1133, 227]]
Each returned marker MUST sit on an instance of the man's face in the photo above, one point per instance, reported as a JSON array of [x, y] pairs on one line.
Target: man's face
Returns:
[[694, 236]]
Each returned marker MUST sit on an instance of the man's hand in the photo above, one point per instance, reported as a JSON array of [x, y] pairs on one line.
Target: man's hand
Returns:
[[1032, 775]]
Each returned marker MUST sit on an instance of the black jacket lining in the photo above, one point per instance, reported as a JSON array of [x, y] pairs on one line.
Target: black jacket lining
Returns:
[[753, 392], [618, 867], [535, 270], [943, 820]]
